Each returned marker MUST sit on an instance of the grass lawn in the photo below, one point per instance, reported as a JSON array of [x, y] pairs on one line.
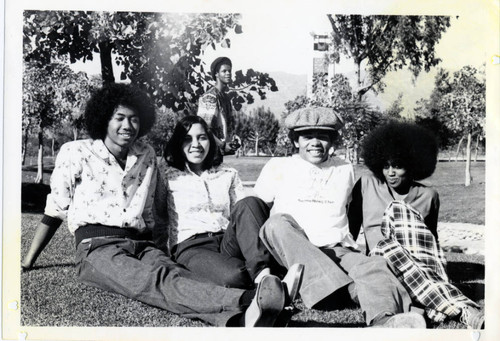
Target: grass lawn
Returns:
[[51, 296]]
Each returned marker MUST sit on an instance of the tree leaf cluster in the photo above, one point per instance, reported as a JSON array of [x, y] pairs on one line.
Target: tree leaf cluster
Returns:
[[259, 128], [380, 44], [159, 52]]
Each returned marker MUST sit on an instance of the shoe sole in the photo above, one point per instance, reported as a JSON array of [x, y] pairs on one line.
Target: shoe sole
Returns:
[[269, 304]]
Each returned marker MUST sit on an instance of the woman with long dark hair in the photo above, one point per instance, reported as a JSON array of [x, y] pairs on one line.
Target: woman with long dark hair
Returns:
[[212, 228]]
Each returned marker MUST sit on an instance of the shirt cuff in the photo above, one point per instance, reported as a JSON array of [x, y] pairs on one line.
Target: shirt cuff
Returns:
[[51, 221]]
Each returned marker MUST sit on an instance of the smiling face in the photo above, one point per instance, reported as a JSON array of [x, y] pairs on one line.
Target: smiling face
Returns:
[[314, 145], [122, 131], [397, 177], [224, 74], [195, 147]]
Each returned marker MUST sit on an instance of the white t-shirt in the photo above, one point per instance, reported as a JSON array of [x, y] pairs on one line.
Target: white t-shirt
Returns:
[[316, 196]]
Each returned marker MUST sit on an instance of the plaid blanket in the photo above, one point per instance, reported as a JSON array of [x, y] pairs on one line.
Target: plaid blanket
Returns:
[[417, 260]]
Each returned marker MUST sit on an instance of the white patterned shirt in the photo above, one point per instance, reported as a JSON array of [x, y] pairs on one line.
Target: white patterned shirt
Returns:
[[196, 203], [89, 186], [316, 196]]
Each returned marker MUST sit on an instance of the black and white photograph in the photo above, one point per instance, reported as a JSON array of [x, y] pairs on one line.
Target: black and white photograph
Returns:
[[306, 169]]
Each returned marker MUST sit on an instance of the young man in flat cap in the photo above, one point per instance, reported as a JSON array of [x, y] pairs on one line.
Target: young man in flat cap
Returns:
[[310, 192], [215, 107]]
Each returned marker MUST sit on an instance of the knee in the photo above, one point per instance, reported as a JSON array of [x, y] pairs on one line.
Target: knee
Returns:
[[238, 278], [253, 203], [278, 225]]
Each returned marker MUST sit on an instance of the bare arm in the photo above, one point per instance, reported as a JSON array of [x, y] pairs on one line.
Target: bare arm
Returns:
[[43, 235]]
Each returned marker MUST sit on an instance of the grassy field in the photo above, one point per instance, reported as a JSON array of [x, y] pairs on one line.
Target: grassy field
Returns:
[[51, 296]]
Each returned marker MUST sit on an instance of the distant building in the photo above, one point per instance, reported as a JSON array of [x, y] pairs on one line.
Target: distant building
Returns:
[[319, 62]]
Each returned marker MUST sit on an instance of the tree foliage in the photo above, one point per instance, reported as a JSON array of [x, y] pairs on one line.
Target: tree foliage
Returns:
[[384, 43], [159, 52], [457, 107], [52, 94], [166, 119], [258, 129]]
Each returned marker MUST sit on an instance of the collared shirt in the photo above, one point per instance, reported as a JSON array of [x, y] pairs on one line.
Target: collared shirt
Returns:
[[316, 196], [197, 203], [215, 108], [89, 186]]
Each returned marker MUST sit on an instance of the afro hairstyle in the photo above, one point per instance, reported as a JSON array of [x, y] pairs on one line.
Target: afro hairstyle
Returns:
[[406, 145], [103, 102]]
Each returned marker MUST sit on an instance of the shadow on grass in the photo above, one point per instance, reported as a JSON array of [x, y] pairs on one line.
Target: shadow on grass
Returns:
[[310, 323], [465, 271], [463, 275], [33, 197], [50, 266]]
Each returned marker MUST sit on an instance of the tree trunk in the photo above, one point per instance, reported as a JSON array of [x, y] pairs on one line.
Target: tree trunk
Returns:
[[256, 144], [458, 148], [106, 63], [39, 174], [25, 147], [360, 96], [75, 133], [52, 146], [477, 148], [355, 154], [270, 151], [468, 177]]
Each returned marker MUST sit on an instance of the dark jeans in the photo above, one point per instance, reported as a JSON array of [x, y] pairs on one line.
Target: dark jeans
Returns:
[[233, 258], [138, 270]]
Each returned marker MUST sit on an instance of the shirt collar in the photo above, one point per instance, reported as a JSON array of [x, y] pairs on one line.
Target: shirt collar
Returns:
[[137, 148]]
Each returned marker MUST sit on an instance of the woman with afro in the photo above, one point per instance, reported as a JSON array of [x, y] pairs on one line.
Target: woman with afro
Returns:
[[399, 218]]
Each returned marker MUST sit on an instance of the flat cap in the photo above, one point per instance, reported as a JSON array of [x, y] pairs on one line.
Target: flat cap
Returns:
[[314, 118], [219, 61]]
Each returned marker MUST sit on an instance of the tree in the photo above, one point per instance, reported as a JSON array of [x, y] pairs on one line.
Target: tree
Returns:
[[283, 144], [429, 112], [381, 43], [166, 119], [465, 108], [260, 128], [159, 52], [456, 109], [241, 127], [52, 94], [395, 109]]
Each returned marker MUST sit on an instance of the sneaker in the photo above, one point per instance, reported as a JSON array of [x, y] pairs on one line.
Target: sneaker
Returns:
[[404, 320], [473, 318], [268, 302], [293, 280]]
